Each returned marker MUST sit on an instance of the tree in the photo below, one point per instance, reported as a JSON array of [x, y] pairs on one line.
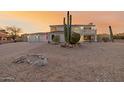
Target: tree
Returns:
[[13, 32]]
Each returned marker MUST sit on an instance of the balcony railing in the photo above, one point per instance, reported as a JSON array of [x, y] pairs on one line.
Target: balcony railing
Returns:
[[86, 32]]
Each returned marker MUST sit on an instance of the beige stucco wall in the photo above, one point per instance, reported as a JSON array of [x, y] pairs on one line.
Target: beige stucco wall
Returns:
[[37, 38]]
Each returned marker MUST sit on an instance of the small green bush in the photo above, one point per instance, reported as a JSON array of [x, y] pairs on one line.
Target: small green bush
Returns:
[[56, 39], [75, 37]]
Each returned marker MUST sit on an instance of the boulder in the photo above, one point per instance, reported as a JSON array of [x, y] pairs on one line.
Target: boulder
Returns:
[[34, 59], [7, 79]]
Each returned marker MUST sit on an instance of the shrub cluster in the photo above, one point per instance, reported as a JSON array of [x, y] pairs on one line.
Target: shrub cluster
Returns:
[[75, 37], [105, 39], [118, 37], [56, 39]]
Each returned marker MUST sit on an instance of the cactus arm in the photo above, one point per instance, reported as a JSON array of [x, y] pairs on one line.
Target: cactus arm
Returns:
[[70, 28]]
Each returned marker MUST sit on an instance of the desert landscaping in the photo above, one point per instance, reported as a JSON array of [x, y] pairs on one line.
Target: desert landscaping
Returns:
[[90, 62]]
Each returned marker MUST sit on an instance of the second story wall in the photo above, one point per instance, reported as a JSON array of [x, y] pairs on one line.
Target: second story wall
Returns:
[[82, 29], [56, 28]]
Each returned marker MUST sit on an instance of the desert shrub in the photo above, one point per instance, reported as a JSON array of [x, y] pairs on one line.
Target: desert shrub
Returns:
[[99, 38], [105, 39], [115, 37], [118, 37], [75, 37], [121, 37], [56, 39]]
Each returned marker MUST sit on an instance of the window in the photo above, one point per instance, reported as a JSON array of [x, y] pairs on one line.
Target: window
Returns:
[[82, 28], [53, 28], [76, 29], [87, 28]]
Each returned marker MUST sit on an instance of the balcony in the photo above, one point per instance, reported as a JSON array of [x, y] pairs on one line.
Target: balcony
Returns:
[[86, 32]]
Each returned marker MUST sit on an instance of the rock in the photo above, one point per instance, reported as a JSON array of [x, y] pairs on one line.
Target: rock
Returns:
[[20, 59], [63, 45], [70, 46], [7, 79], [32, 59]]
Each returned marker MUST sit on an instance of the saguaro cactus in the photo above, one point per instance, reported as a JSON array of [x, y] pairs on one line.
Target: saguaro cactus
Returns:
[[70, 38], [67, 28], [111, 33]]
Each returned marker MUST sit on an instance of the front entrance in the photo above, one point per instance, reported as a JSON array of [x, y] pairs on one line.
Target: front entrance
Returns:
[[88, 38], [52, 37]]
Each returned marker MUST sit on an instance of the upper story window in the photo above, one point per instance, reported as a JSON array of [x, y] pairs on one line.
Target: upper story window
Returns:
[[82, 27], [53, 28], [87, 28], [94, 28], [77, 29]]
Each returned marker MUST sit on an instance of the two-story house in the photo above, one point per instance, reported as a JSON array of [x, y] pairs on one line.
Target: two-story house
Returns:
[[87, 32]]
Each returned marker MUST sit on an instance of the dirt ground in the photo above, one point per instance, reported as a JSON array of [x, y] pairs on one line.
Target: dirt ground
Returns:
[[89, 63]]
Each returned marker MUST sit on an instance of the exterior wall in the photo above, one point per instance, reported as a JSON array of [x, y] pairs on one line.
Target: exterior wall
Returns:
[[79, 29], [3, 38], [35, 38], [56, 28], [24, 37], [84, 30], [81, 39], [62, 39]]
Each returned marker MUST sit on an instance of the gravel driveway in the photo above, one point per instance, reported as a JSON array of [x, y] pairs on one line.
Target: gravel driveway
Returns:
[[90, 62]]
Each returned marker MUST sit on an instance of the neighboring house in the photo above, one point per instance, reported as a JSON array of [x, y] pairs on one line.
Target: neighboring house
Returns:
[[35, 37], [3, 36], [87, 32]]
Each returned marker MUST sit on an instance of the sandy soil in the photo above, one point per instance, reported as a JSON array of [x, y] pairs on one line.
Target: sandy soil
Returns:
[[90, 62]]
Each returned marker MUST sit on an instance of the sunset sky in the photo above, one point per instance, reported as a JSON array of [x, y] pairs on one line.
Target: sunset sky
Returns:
[[31, 22]]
